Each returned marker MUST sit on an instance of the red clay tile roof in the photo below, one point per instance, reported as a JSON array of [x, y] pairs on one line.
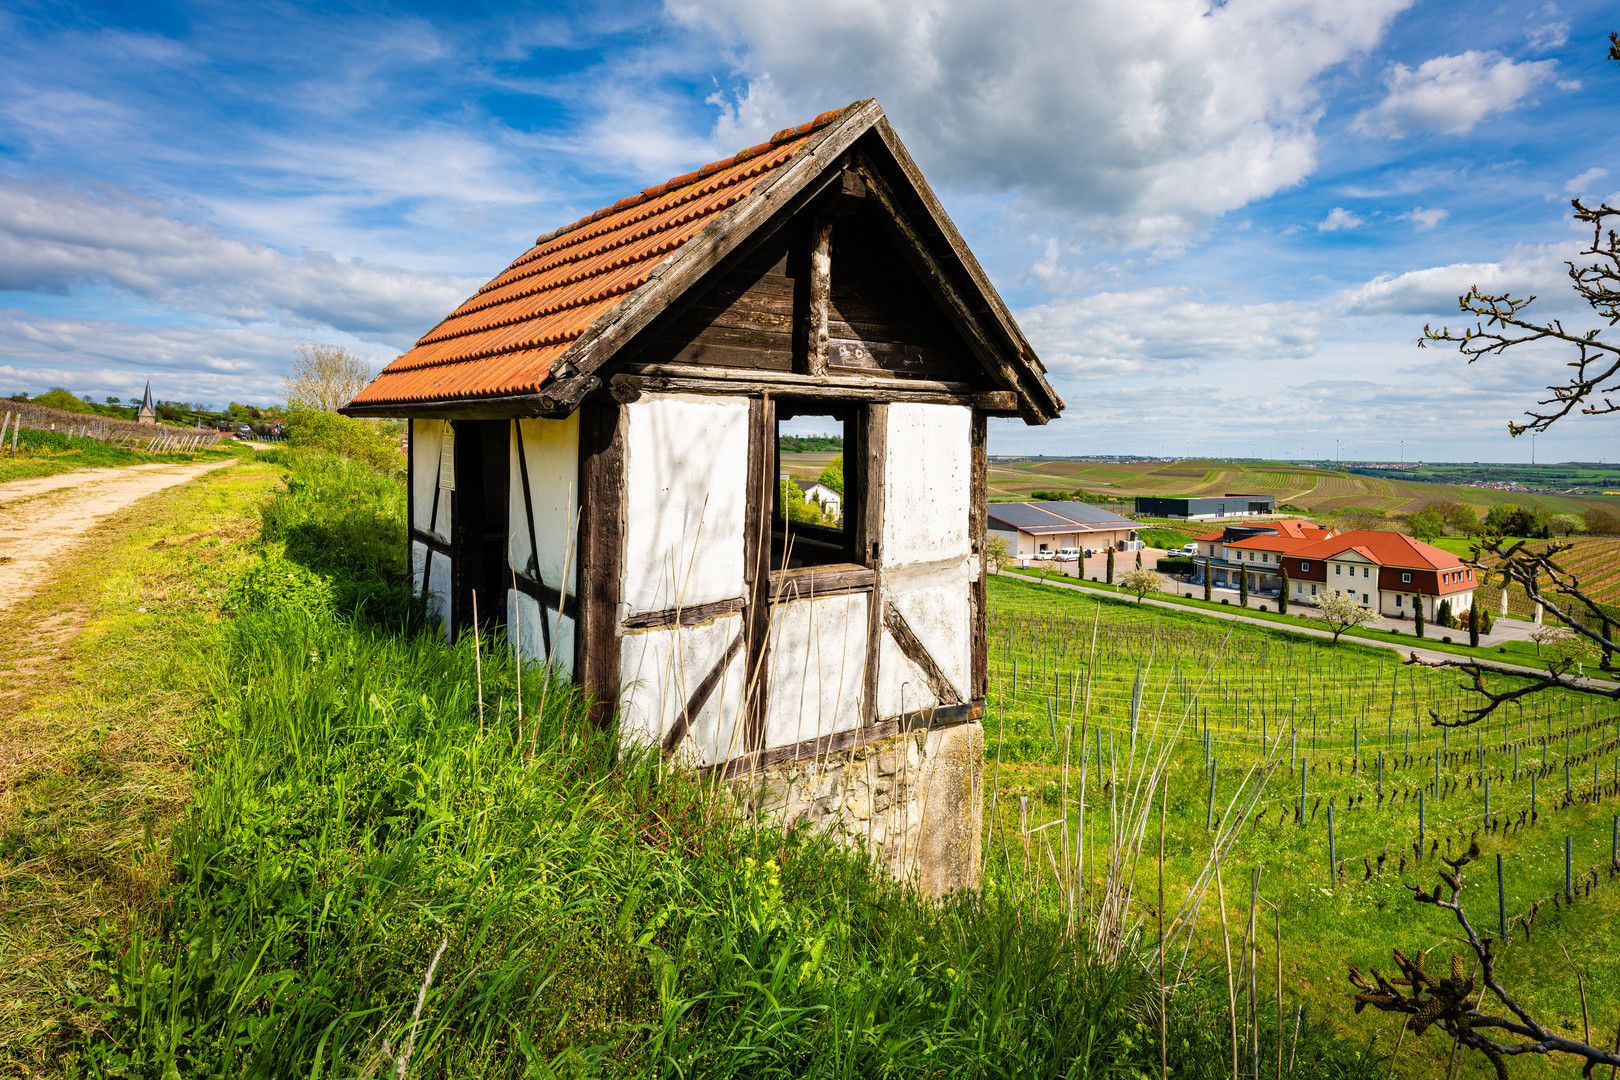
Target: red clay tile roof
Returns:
[[503, 340], [1290, 527], [1383, 548]]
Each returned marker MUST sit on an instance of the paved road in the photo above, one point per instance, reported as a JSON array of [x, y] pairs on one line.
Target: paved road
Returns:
[[40, 517], [1304, 628]]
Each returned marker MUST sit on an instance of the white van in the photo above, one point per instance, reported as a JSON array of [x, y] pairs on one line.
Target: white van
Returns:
[[1068, 555]]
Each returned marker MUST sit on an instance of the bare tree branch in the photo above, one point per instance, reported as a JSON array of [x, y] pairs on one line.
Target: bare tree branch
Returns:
[[1501, 327], [1448, 1002]]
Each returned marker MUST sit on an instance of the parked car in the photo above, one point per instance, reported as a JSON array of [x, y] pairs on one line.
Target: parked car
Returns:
[[1041, 554], [1068, 555], [1190, 549]]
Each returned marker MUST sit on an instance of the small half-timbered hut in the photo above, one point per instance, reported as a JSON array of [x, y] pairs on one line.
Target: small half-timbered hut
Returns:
[[593, 459]]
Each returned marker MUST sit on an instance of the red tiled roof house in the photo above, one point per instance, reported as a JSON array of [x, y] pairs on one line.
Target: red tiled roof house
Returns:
[[593, 455], [1389, 572]]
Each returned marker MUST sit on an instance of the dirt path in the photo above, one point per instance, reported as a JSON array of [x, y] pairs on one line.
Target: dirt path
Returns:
[[40, 517]]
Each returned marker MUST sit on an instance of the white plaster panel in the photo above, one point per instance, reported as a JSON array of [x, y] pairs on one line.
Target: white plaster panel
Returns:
[[438, 600], [817, 668], [427, 436], [551, 451], [659, 670], [941, 615], [927, 477], [562, 643], [902, 686], [523, 628], [523, 631], [686, 471]]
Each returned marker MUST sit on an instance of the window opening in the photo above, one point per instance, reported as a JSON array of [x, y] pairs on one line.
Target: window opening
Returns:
[[813, 511]]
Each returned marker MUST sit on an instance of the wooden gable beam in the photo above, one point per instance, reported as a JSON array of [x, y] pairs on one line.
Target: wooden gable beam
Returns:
[[790, 188]]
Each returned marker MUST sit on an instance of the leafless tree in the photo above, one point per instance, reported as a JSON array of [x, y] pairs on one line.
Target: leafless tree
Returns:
[[324, 377], [1501, 324], [1452, 1001]]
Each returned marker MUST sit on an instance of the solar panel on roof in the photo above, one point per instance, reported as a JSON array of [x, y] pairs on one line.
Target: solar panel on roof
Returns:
[[1024, 516], [1084, 513]]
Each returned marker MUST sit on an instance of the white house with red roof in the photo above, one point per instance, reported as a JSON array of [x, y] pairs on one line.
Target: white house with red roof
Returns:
[[1389, 572]]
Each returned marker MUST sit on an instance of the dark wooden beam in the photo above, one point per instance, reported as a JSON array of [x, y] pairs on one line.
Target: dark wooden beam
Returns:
[[868, 470], [684, 616], [1043, 398], [918, 654], [705, 690], [851, 389], [809, 582], [757, 566], [820, 290], [978, 539], [548, 598], [783, 192], [922, 720], [601, 543]]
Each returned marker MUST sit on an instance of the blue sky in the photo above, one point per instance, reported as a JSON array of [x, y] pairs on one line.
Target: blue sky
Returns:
[[1223, 226]]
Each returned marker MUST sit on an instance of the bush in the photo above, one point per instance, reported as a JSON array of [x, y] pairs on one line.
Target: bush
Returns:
[[1263, 608], [355, 439], [1174, 564], [1446, 639], [61, 399], [1225, 601]]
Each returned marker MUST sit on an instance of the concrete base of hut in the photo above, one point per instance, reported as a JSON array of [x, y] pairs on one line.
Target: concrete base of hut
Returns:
[[914, 802]]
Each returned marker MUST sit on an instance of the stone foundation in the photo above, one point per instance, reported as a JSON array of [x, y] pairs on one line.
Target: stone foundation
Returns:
[[914, 802]]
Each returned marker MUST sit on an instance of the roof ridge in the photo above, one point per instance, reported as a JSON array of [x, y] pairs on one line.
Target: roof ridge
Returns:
[[701, 173]]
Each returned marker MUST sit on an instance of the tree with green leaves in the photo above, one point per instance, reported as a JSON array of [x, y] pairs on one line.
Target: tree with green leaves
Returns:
[[1443, 616], [1209, 578], [1282, 593], [1426, 525], [1473, 626], [1243, 587], [1110, 566], [1417, 615], [833, 474]]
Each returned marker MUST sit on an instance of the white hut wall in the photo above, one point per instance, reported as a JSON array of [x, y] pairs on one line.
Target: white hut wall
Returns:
[[543, 512], [682, 589], [430, 518], [817, 667], [928, 563]]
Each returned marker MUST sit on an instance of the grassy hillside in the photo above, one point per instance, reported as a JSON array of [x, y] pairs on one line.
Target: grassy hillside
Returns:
[[1320, 490], [289, 832]]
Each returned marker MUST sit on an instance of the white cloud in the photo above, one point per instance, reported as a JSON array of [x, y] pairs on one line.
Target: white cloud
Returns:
[[1451, 93], [1338, 219], [1142, 119], [1435, 289], [1579, 184], [1160, 332], [1423, 220], [1548, 35], [55, 238]]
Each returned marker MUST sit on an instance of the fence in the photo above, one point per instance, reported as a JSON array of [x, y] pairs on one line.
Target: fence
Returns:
[[128, 434]]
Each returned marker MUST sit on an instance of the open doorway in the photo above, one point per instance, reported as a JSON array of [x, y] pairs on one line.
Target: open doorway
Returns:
[[479, 523]]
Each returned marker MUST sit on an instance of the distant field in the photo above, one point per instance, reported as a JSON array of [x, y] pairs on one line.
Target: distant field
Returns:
[[1315, 490]]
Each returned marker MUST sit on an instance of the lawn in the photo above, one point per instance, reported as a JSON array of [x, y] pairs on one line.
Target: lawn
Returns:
[[1083, 686]]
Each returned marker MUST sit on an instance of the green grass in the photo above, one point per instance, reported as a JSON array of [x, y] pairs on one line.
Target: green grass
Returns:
[[49, 453], [1514, 652], [371, 820], [1168, 539], [1053, 698]]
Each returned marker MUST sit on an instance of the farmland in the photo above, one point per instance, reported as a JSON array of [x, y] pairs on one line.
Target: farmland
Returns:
[[1315, 490], [1084, 691], [1591, 561]]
